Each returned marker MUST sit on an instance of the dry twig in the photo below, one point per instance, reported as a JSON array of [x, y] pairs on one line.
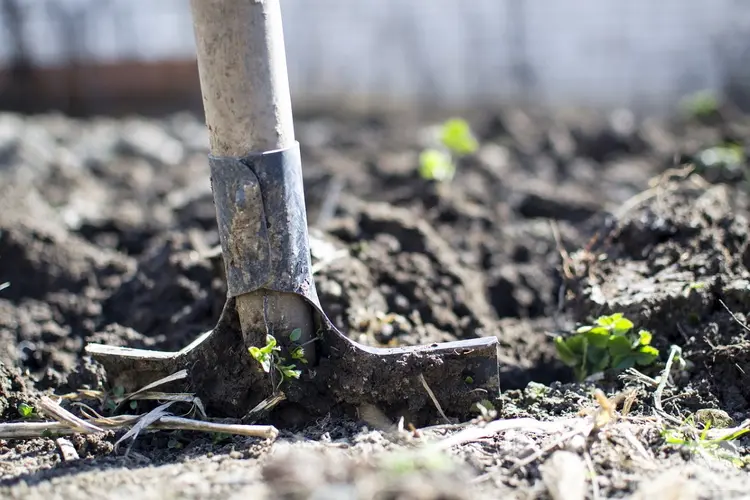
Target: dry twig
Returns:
[[63, 416], [734, 316], [27, 430], [434, 399], [674, 350]]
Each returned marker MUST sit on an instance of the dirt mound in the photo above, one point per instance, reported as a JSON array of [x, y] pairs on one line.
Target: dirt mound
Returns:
[[677, 266]]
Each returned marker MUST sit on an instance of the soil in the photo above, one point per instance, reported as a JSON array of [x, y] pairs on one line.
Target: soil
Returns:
[[107, 231]]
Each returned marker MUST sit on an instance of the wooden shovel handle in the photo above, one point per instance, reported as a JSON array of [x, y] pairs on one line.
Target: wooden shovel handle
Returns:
[[243, 75]]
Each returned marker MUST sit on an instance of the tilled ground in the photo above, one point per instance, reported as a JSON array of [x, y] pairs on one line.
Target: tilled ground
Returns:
[[106, 231]]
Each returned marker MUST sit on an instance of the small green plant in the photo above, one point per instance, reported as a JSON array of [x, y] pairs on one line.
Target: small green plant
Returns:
[[729, 156], [701, 104], [455, 140], [485, 409], [689, 438], [25, 410], [268, 356], [112, 398], [607, 344]]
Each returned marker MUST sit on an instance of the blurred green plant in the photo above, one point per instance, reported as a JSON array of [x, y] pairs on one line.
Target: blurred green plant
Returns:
[[456, 135], [729, 156], [701, 104], [724, 163], [609, 343], [719, 447], [455, 140]]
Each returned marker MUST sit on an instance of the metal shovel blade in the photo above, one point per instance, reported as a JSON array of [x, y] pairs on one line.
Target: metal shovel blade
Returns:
[[347, 376]]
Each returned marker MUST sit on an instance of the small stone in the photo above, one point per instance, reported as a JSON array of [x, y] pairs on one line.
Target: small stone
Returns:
[[564, 474], [577, 443]]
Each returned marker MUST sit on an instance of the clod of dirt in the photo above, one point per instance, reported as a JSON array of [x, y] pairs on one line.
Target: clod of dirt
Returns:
[[314, 472], [174, 295], [57, 281], [12, 392], [416, 271]]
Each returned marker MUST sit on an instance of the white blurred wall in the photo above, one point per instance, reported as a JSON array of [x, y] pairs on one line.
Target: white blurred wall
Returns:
[[606, 53]]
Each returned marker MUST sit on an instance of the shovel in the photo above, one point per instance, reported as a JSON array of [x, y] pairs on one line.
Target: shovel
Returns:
[[272, 308]]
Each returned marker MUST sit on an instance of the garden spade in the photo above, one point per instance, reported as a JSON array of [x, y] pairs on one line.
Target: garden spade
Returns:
[[272, 310]]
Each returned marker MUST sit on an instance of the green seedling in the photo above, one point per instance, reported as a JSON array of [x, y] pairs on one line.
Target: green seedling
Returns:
[[457, 137], [455, 140], [436, 165], [299, 354], [689, 438], [485, 409], [268, 357], [702, 104], [111, 400], [25, 410], [607, 344], [728, 156]]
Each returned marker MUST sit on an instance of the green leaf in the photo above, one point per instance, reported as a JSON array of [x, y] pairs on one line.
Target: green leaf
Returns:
[[598, 337], [25, 410], [265, 362], [436, 165], [118, 391], [608, 321], [295, 335], [564, 352], [623, 361], [646, 355], [456, 135], [598, 358], [133, 405], [644, 337], [619, 346], [602, 362], [622, 326], [577, 344], [261, 357], [290, 371], [270, 345]]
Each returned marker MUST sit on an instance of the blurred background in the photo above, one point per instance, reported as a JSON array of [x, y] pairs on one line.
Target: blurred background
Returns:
[[137, 56]]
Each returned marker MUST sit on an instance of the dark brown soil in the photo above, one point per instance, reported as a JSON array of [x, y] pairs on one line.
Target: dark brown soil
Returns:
[[106, 228]]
